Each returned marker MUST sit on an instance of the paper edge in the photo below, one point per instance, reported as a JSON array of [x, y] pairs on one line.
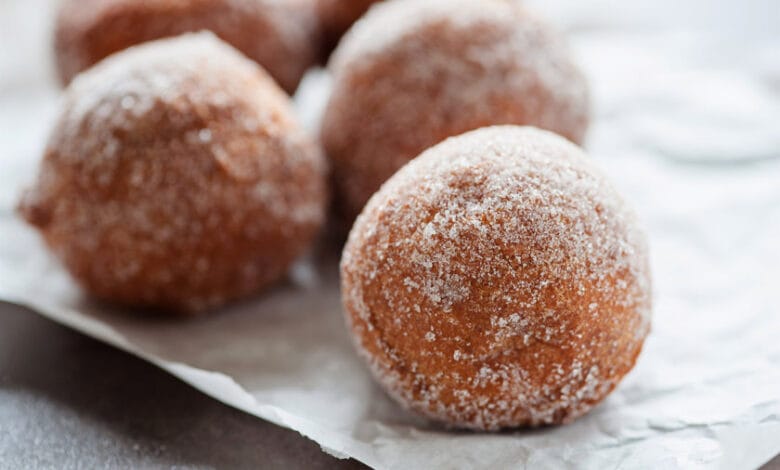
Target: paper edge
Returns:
[[205, 381]]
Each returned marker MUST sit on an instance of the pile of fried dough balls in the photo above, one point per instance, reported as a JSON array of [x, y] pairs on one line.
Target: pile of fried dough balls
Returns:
[[492, 277]]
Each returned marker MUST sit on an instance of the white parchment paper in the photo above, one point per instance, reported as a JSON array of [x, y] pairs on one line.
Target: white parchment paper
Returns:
[[688, 126]]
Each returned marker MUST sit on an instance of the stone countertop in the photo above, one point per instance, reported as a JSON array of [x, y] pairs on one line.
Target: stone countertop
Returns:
[[67, 401]]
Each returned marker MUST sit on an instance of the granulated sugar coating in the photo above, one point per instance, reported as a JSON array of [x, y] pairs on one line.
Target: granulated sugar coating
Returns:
[[497, 281], [177, 177], [281, 35], [411, 73]]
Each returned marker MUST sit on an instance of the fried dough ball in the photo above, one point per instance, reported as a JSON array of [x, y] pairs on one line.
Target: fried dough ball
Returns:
[[412, 73], [177, 177], [498, 281], [281, 35]]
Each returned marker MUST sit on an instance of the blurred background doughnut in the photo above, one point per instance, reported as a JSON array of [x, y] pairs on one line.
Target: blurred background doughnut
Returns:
[[413, 73], [281, 35]]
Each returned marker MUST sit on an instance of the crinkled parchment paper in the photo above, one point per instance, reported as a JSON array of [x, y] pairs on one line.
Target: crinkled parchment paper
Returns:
[[687, 125]]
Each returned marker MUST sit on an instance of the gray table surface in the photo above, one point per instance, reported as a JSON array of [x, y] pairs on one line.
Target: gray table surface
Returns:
[[68, 401]]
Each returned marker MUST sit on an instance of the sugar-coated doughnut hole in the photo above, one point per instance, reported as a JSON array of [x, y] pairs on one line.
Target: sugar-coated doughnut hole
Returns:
[[177, 177], [411, 73], [497, 281]]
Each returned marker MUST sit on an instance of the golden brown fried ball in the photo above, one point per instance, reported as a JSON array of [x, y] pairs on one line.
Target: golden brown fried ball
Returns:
[[412, 73], [177, 177], [498, 281]]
